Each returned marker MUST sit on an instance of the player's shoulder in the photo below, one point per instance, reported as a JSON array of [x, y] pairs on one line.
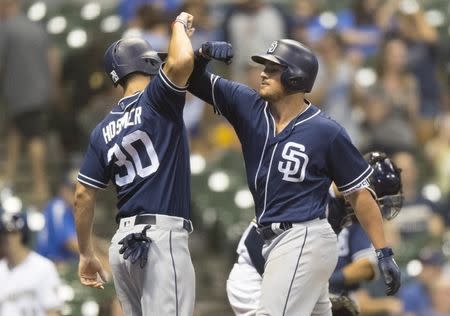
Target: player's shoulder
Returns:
[[325, 121], [322, 124]]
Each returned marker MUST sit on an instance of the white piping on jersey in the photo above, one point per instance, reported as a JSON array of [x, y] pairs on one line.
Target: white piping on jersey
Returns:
[[267, 182], [214, 79], [344, 185], [170, 84], [274, 125], [361, 185], [90, 184], [131, 103], [91, 179], [264, 148], [306, 119]]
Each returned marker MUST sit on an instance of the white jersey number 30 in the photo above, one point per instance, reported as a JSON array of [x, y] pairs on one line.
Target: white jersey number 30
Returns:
[[134, 167]]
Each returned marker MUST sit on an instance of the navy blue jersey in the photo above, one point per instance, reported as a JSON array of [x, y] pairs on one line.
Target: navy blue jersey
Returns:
[[288, 173], [141, 146], [353, 244]]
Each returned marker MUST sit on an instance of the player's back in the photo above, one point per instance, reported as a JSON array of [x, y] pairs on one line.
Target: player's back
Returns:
[[141, 146]]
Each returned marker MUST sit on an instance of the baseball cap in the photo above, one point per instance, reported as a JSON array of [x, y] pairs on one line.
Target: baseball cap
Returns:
[[432, 257]]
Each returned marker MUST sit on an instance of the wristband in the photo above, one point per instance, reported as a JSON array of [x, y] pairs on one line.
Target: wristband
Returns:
[[384, 252], [182, 22]]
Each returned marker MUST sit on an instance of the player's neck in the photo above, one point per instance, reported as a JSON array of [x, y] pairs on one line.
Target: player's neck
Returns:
[[138, 83], [288, 108], [16, 257]]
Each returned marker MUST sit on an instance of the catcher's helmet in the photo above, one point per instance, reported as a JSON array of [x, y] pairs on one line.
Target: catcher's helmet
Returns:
[[130, 55], [15, 222], [385, 186], [300, 64], [385, 181]]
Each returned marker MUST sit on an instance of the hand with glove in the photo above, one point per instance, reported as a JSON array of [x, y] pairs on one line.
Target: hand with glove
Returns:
[[343, 306], [389, 269], [221, 51], [135, 246]]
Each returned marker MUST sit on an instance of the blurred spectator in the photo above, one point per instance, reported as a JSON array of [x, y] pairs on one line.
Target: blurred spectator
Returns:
[[151, 24], [422, 41], [246, 28], [359, 28], [392, 103], [440, 298], [332, 90], [27, 63], [306, 26], [416, 295], [128, 8], [29, 281], [437, 151], [203, 21], [419, 222], [58, 240]]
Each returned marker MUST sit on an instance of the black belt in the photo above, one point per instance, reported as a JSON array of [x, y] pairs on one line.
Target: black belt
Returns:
[[149, 219], [268, 232]]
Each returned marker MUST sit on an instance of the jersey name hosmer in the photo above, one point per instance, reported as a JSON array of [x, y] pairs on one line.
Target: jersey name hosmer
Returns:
[[127, 120]]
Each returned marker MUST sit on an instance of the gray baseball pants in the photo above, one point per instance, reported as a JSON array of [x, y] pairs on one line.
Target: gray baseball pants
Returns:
[[299, 263], [166, 285]]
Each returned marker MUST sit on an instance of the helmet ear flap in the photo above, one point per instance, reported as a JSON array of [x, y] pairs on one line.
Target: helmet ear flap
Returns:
[[292, 81]]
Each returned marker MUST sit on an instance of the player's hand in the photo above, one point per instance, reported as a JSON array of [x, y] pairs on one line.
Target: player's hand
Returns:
[[187, 20], [217, 50], [389, 270], [91, 272]]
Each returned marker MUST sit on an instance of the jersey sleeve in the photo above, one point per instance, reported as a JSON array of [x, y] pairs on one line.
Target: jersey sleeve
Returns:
[[48, 291], [93, 171], [348, 169], [166, 97], [230, 99]]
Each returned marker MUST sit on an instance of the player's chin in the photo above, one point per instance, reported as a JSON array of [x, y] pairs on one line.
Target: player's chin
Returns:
[[268, 94]]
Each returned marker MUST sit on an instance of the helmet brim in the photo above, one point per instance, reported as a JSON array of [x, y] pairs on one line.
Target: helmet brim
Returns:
[[262, 59]]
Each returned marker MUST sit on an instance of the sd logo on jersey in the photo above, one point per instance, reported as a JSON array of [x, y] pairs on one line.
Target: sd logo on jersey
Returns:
[[294, 166]]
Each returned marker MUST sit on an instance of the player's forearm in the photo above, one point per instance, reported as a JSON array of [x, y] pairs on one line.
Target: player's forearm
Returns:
[[369, 216], [180, 60], [84, 216]]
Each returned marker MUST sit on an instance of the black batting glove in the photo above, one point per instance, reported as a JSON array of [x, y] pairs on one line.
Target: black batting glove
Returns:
[[389, 269], [221, 51], [136, 246]]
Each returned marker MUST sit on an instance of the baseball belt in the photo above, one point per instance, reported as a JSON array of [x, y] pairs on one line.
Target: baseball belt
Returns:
[[269, 232]]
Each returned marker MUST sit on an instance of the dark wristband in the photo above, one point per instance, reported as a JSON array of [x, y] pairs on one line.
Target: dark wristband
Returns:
[[384, 252]]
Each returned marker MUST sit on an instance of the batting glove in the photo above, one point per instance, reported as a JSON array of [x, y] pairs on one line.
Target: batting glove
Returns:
[[221, 51], [135, 246], [389, 270]]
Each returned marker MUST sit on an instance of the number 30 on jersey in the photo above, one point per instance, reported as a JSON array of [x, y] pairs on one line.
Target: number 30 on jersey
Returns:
[[134, 167]]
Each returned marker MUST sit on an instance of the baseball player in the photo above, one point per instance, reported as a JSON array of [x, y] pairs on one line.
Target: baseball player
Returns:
[[141, 146], [29, 282], [292, 153], [355, 250]]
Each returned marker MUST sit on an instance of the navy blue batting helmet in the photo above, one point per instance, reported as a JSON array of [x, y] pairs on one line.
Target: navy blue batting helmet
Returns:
[[131, 55], [15, 222], [386, 182], [300, 64]]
